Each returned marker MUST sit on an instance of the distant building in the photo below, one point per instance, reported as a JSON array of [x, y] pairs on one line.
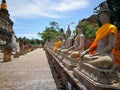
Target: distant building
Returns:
[[91, 19]]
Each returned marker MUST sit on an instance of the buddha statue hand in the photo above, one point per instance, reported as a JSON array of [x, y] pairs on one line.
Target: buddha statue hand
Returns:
[[84, 53]]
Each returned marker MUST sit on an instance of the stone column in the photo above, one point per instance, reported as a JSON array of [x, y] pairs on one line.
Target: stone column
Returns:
[[7, 54], [22, 49]]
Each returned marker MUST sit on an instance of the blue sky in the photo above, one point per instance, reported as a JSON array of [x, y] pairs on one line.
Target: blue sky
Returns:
[[32, 16]]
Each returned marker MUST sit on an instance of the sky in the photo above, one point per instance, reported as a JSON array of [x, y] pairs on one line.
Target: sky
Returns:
[[32, 16]]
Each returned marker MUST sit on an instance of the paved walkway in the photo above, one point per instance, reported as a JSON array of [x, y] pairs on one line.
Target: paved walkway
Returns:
[[29, 72]]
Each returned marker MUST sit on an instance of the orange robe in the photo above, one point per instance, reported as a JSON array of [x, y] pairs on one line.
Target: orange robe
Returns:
[[102, 32], [56, 45], [4, 6]]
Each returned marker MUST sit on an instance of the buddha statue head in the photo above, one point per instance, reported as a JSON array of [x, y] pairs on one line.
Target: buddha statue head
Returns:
[[104, 13], [79, 29]]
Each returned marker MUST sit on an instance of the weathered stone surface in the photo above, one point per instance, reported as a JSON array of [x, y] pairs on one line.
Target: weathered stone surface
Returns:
[[70, 63], [97, 79], [29, 72], [16, 55], [7, 54]]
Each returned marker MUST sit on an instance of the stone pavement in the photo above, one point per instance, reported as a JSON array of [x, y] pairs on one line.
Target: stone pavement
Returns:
[[29, 72]]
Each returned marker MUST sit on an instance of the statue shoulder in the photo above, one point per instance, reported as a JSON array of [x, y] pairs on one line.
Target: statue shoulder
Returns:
[[113, 29], [81, 35]]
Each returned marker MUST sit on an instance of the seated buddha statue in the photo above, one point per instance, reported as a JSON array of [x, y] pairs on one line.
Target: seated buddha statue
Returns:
[[78, 46], [57, 44], [62, 39], [102, 49], [68, 42]]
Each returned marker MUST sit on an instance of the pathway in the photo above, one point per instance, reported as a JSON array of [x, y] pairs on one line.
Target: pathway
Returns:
[[29, 72]]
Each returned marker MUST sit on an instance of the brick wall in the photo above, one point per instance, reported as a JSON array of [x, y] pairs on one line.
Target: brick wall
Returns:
[[117, 50]]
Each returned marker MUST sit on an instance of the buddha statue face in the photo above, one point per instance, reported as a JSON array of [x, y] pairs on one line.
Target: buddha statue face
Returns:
[[79, 29], [104, 18], [104, 13]]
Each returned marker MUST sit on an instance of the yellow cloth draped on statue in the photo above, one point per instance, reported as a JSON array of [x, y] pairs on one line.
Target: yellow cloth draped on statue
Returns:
[[3, 6], [56, 45], [103, 31]]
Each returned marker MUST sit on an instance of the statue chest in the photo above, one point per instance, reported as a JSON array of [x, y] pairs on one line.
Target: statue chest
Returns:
[[77, 41], [102, 43]]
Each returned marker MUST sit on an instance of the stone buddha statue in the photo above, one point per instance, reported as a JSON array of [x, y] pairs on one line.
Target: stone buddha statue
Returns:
[[62, 39], [102, 49], [78, 46], [68, 42]]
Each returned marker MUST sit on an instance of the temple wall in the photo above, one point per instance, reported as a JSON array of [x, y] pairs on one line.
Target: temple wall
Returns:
[[117, 50]]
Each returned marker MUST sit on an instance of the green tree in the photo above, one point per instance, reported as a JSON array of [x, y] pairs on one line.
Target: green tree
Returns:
[[38, 42], [32, 41], [54, 25], [114, 6], [50, 32], [23, 40], [89, 29]]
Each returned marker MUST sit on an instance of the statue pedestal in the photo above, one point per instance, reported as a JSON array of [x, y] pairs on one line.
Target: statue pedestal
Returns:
[[97, 79], [63, 50], [70, 63], [16, 55], [7, 54], [60, 57]]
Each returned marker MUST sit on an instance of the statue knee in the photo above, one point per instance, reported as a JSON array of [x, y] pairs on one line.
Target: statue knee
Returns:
[[75, 55], [104, 64]]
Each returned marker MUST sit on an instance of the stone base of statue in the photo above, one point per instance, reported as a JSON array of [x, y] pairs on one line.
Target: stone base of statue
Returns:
[[70, 63], [97, 79], [16, 55], [58, 49], [7, 54], [60, 57], [64, 51], [55, 54], [22, 52]]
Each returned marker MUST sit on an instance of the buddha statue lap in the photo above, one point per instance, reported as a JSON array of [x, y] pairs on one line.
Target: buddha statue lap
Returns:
[[78, 46]]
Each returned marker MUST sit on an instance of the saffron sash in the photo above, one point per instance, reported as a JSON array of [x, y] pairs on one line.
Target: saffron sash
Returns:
[[102, 32]]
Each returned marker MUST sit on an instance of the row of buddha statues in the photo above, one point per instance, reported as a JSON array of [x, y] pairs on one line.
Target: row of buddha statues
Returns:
[[100, 53], [96, 62]]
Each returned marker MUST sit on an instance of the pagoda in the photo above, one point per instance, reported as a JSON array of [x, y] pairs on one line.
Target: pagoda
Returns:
[[6, 31], [6, 24]]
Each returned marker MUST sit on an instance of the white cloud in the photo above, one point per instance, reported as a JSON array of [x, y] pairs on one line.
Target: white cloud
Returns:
[[46, 8], [69, 5]]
